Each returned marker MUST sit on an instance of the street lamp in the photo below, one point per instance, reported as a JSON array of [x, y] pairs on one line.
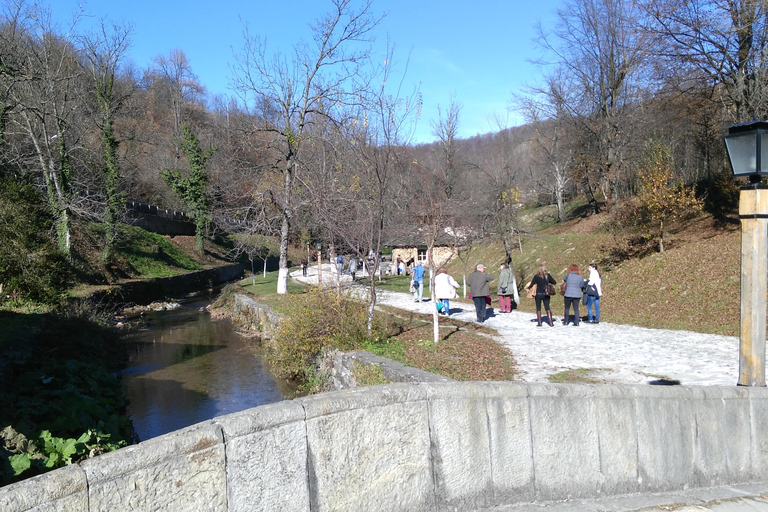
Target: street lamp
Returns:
[[747, 148], [319, 247]]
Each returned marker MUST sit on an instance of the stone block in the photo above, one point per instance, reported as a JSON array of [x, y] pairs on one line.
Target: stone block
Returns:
[[566, 449], [266, 458], [617, 438], [722, 435], [511, 452], [61, 490], [181, 471], [758, 400], [461, 453], [666, 437], [369, 449]]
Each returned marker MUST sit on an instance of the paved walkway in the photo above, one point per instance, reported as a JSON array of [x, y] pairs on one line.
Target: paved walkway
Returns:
[[623, 354], [626, 355]]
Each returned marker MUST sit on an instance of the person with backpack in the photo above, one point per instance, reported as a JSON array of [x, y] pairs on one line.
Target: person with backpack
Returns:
[[506, 289], [594, 290], [445, 290]]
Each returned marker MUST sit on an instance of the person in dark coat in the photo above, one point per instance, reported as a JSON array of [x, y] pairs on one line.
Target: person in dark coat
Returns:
[[541, 279], [573, 292], [478, 287]]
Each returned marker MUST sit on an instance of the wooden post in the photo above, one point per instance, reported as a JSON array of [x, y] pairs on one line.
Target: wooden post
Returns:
[[753, 213]]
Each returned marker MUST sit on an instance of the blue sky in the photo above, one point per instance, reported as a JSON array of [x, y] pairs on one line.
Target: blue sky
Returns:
[[477, 52]]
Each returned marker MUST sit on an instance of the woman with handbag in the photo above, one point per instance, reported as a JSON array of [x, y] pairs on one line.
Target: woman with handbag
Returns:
[[545, 287], [571, 291], [506, 288]]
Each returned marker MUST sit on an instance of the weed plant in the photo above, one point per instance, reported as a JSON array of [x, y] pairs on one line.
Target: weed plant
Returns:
[[63, 400], [315, 320]]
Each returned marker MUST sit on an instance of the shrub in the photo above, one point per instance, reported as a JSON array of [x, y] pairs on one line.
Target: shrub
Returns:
[[316, 320], [31, 266]]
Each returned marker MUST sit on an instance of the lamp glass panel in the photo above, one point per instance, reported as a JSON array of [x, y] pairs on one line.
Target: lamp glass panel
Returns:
[[763, 152], [742, 151]]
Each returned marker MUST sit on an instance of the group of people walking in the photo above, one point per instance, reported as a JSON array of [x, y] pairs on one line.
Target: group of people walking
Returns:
[[574, 289]]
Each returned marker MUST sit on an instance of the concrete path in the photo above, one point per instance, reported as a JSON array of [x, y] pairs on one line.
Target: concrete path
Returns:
[[619, 353], [625, 355]]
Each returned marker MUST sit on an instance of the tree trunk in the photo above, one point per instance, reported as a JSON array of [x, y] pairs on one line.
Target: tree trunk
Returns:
[[435, 318], [282, 273]]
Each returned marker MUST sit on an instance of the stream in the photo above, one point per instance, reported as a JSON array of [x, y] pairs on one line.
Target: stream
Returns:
[[185, 368]]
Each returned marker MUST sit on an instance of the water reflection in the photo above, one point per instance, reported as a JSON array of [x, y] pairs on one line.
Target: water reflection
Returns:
[[184, 368]]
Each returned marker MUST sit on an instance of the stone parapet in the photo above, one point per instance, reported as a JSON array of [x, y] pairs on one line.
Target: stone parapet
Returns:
[[428, 446]]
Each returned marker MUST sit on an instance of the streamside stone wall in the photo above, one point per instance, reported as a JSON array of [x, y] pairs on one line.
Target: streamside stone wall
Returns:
[[340, 369], [428, 447], [254, 316]]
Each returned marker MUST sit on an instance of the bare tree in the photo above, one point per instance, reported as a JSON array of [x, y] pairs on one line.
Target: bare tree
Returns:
[[356, 191], [601, 49], [44, 107], [175, 71], [445, 128], [547, 111], [103, 51], [289, 92], [724, 43]]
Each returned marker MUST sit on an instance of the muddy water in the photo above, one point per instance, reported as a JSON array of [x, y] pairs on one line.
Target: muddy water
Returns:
[[185, 368]]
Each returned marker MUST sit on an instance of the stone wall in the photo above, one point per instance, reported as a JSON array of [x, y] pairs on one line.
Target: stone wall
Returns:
[[431, 446], [339, 367], [254, 316], [144, 291]]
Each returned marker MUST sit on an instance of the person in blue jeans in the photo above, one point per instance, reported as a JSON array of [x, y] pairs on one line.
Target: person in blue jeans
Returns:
[[418, 282], [594, 292], [340, 263]]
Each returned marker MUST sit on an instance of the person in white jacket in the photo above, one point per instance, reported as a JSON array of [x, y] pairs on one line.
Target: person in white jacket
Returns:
[[445, 289], [594, 290]]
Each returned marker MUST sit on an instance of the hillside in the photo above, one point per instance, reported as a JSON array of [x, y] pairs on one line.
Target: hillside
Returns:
[[693, 285]]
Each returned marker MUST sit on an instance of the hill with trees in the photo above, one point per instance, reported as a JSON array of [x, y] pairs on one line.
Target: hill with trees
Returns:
[[626, 115]]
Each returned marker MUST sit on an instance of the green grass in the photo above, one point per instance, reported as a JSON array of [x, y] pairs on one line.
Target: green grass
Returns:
[[265, 288], [583, 375], [151, 255]]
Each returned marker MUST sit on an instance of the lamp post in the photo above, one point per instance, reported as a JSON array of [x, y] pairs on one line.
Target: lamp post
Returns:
[[747, 148], [319, 247]]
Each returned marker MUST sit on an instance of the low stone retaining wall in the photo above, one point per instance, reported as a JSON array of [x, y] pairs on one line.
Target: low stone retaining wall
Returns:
[[340, 368], [254, 316], [144, 291], [436, 446]]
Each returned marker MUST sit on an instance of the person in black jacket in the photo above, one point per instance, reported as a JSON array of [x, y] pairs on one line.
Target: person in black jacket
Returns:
[[541, 280]]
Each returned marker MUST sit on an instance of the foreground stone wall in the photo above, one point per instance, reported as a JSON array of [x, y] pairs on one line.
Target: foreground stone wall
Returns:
[[435, 446]]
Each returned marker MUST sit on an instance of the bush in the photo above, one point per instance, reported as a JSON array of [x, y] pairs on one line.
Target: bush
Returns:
[[31, 266], [316, 320]]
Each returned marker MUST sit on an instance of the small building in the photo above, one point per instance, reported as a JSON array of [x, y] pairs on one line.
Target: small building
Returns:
[[412, 247]]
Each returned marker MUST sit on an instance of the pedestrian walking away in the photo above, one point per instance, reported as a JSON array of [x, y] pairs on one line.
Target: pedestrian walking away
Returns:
[[445, 290], [304, 265], [572, 290], [340, 264], [353, 267], [418, 282], [541, 281], [506, 288], [594, 290], [478, 287]]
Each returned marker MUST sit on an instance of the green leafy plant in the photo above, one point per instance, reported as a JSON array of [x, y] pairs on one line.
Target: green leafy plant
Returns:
[[193, 188]]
